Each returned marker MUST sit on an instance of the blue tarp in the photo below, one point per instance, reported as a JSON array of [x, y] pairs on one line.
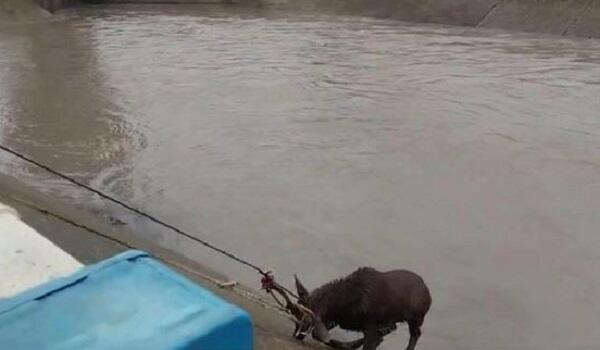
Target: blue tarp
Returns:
[[130, 301]]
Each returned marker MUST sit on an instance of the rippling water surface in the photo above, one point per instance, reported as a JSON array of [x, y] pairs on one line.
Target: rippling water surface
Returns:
[[315, 145]]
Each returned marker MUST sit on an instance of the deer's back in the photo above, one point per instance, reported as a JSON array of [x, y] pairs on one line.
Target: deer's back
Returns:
[[396, 296], [368, 297]]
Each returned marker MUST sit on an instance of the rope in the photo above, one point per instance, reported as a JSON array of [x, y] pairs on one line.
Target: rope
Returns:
[[135, 210], [266, 274], [257, 299]]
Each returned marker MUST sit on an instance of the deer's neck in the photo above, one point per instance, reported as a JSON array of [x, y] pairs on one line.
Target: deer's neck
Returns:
[[335, 298]]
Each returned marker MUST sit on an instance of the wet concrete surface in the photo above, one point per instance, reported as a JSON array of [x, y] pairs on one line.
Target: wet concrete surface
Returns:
[[318, 144]]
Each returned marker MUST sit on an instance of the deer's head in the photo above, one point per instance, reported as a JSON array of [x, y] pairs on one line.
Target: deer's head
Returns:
[[311, 323]]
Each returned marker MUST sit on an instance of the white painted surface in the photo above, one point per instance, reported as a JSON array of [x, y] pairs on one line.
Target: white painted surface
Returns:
[[28, 259]]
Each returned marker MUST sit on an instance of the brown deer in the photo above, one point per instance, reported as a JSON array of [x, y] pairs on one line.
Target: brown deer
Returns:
[[366, 301]]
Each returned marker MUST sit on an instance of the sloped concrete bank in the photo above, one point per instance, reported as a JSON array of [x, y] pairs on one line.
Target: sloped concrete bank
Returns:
[[89, 238]]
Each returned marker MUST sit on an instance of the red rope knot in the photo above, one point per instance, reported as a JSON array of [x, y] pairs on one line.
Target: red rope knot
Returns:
[[268, 281]]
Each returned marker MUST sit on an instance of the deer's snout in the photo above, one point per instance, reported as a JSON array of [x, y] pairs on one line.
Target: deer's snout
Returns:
[[302, 330]]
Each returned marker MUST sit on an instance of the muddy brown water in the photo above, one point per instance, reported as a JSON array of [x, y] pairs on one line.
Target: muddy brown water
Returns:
[[315, 145]]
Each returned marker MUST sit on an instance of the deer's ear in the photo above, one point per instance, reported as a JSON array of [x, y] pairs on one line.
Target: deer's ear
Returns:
[[302, 292]]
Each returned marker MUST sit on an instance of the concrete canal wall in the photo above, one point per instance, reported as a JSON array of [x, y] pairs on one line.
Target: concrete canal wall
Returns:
[[28, 10], [54, 5], [562, 17], [19, 10], [200, 2]]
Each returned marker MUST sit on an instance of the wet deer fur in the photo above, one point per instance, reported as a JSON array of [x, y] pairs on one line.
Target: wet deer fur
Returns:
[[367, 301]]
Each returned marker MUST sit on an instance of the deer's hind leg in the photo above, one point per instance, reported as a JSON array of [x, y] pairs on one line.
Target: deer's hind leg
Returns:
[[372, 339], [387, 329], [414, 327]]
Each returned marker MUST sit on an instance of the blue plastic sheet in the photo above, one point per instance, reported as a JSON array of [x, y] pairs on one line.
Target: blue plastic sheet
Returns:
[[129, 301]]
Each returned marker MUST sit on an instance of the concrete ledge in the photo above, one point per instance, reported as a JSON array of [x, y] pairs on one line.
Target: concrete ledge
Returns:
[[27, 258]]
